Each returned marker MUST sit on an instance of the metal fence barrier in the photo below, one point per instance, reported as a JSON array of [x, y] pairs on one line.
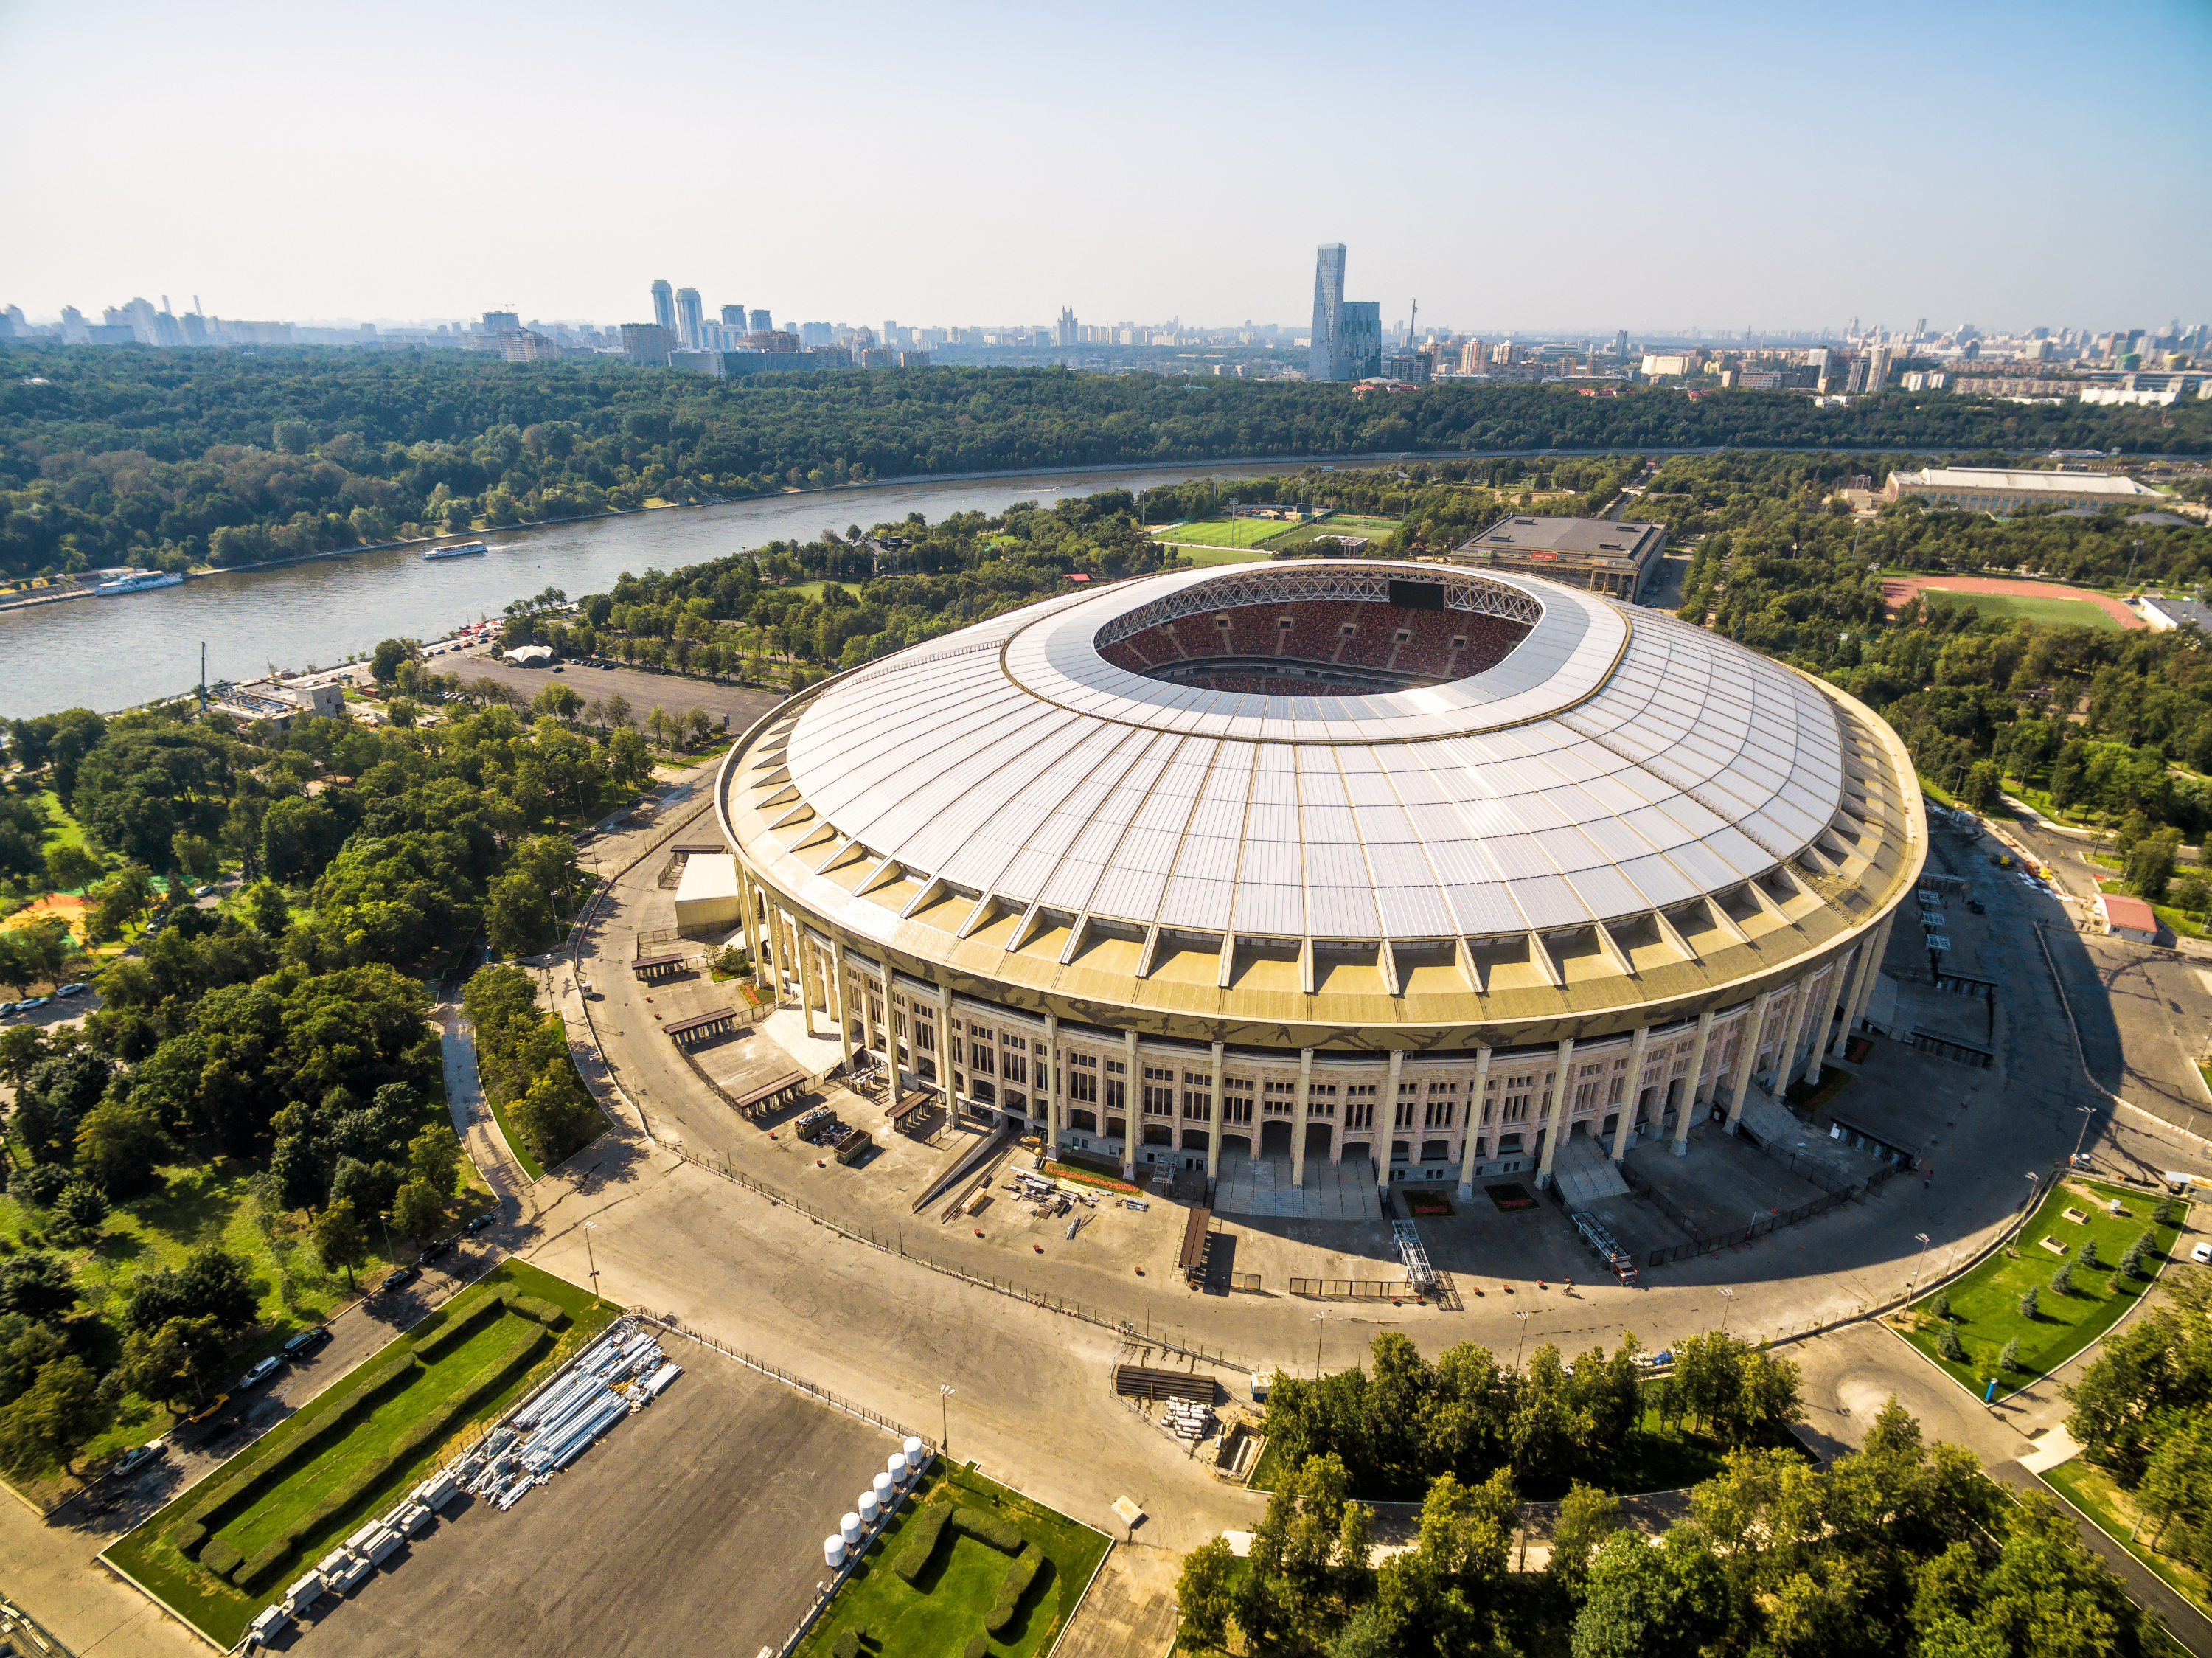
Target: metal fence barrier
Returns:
[[1834, 1197], [1357, 1289], [676, 1326]]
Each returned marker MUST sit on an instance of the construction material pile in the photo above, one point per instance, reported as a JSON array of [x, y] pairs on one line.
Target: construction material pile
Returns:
[[1186, 1419], [622, 1371]]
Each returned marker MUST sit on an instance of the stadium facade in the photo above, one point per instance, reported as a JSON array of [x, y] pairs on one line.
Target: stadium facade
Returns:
[[1338, 860]]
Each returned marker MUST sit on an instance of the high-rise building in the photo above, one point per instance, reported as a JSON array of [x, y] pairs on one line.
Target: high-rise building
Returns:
[[1471, 360], [500, 322], [1329, 312], [762, 323], [1359, 339], [734, 316], [664, 305], [1063, 330], [1620, 344], [647, 342], [1877, 367], [690, 314]]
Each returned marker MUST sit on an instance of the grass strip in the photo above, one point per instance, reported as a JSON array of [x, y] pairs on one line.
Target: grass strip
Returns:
[[1012, 1586], [463, 1324]]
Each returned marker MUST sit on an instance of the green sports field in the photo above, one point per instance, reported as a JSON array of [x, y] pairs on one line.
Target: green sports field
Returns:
[[2008, 607], [1224, 532], [1341, 523]]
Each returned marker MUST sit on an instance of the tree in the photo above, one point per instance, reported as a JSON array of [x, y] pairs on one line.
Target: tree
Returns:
[[181, 1362], [341, 1240], [383, 662], [263, 904], [2028, 1303], [51, 1423], [211, 1283], [121, 898], [69, 867], [21, 1047], [1950, 1346], [1587, 1517], [82, 1206], [1982, 789], [1203, 1594], [2009, 1359], [1646, 1602], [37, 1283], [193, 854], [2062, 1280], [1368, 1633], [433, 1158], [118, 1144], [416, 1209]]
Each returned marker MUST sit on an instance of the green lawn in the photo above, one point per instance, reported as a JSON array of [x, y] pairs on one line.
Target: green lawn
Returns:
[[936, 1616], [2091, 1490], [267, 1496], [2009, 607], [1342, 523], [1985, 1302], [63, 829], [1224, 532], [514, 1141]]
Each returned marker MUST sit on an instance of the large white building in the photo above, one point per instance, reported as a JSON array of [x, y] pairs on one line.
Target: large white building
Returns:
[[1437, 869], [1994, 489]]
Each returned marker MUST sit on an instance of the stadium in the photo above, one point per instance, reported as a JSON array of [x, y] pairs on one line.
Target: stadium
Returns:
[[1393, 873]]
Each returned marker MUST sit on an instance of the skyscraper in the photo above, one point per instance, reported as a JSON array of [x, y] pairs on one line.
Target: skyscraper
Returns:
[[690, 314], [733, 316], [664, 305], [1621, 345], [1329, 312], [1063, 330], [762, 323]]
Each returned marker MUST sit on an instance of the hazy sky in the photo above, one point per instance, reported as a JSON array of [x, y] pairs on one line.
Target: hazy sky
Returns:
[[1530, 166]]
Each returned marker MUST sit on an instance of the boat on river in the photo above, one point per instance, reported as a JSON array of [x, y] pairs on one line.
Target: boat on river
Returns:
[[462, 550], [138, 580]]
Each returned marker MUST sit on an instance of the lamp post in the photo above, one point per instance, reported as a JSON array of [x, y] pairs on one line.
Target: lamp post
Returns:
[[2087, 1111], [1522, 1340], [1729, 1295], [1320, 1329], [1911, 1281], [945, 1418], [590, 1259]]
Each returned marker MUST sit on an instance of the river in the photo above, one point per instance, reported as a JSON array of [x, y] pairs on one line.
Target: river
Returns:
[[119, 653]]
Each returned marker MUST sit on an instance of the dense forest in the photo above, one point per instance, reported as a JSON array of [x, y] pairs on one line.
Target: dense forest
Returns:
[[1904, 1547], [176, 458], [275, 1045]]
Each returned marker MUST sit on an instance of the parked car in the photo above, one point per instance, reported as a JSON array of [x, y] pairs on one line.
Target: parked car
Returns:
[[2202, 1254], [209, 1410], [306, 1341], [6, 1008], [434, 1249], [76, 989], [1977, 906], [34, 1003], [138, 1456], [1662, 1360], [489, 1217], [262, 1370], [202, 892], [399, 1280]]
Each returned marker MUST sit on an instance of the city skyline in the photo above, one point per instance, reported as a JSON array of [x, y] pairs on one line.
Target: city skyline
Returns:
[[1699, 178]]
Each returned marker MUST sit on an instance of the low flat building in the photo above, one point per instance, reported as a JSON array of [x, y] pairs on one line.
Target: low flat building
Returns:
[[2163, 615], [280, 705], [1593, 553], [2128, 917], [707, 895], [1979, 488], [531, 655]]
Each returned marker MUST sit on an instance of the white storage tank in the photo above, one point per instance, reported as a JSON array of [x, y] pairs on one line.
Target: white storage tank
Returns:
[[887, 1493], [850, 1526], [871, 1509], [833, 1551], [898, 1469]]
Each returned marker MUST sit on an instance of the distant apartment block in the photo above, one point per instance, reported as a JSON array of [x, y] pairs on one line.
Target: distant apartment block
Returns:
[[1592, 553], [1992, 489], [1657, 365], [647, 342]]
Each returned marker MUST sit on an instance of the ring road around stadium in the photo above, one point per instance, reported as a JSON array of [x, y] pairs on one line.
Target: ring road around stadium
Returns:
[[1397, 865]]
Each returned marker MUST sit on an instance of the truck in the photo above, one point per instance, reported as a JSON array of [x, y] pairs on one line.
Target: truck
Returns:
[[2182, 1183]]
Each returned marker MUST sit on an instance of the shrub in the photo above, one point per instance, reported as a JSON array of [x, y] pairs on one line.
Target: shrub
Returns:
[[2168, 1213], [986, 1527], [2087, 1254], [2009, 1359], [2138, 1252], [1950, 1347], [2028, 1303], [920, 1541], [1012, 1586], [186, 1538], [220, 1558], [975, 1648], [1941, 1305], [847, 1645], [2062, 1280], [533, 1307]]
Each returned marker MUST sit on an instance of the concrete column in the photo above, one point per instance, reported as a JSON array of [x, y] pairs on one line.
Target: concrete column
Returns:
[[1555, 1124], [774, 948], [1215, 1116], [1816, 1035], [1697, 1066], [1473, 1124], [1298, 1119], [1051, 1063], [1389, 1123], [1860, 958], [945, 1051], [844, 1012], [1628, 1106], [803, 952], [1132, 1104], [1865, 997], [1746, 1061], [747, 936], [1785, 1050]]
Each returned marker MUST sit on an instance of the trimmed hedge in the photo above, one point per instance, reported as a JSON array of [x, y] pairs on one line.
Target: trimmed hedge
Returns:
[[534, 1306], [986, 1527], [186, 1539], [920, 1541], [1012, 1586], [220, 1558], [458, 1329], [975, 1648], [268, 1562], [226, 1499], [847, 1645]]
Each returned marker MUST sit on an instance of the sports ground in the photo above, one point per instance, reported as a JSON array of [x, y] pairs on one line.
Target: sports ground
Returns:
[[1269, 534], [2046, 602]]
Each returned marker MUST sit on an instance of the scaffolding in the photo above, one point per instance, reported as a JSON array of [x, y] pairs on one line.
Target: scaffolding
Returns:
[[1407, 1237], [1616, 1258]]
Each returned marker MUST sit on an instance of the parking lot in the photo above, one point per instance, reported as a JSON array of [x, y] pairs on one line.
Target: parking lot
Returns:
[[740, 704], [696, 1527]]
